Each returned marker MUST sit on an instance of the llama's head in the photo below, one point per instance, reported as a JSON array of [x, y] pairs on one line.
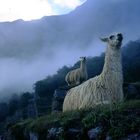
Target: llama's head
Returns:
[[114, 41], [83, 59]]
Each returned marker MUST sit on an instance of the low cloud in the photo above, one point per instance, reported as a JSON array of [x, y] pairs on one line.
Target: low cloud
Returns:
[[29, 51], [24, 9], [71, 4]]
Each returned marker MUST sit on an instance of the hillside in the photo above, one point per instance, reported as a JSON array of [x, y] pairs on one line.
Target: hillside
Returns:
[[35, 57], [121, 121], [22, 107]]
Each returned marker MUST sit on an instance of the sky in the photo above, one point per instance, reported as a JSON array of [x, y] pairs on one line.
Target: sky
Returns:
[[11, 10], [31, 50]]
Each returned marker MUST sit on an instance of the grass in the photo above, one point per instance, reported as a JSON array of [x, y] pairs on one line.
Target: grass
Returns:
[[119, 121]]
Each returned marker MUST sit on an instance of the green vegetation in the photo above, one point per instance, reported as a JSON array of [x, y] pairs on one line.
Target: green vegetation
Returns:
[[119, 120]]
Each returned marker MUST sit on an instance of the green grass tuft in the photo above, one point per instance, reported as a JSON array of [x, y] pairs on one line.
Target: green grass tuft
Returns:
[[117, 121]]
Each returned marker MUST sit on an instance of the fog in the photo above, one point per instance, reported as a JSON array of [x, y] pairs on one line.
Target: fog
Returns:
[[29, 51]]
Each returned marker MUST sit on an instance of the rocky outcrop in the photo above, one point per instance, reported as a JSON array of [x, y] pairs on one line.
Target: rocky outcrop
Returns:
[[54, 133], [58, 99], [131, 90], [32, 109], [93, 133], [33, 136]]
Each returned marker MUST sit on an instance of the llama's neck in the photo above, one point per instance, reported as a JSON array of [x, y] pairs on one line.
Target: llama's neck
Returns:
[[112, 76], [83, 66], [112, 63]]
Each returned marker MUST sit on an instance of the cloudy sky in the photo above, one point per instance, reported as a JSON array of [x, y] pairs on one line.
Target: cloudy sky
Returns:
[[33, 9], [31, 50], [18, 73]]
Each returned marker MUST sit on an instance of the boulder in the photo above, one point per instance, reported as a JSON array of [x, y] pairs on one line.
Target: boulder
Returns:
[[131, 91], [58, 99], [73, 134], [33, 136], [32, 109], [54, 133], [94, 133]]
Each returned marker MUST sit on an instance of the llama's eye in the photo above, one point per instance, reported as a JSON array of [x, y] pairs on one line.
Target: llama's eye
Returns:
[[111, 37], [119, 34]]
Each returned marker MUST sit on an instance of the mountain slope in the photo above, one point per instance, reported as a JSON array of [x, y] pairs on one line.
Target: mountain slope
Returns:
[[31, 50], [77, 29]]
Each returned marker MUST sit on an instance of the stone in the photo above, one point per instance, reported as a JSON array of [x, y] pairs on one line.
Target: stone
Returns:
[[131, 91], [73, 134], [93, 133], [32, 109], [133, 137], [54, 133], [58, 99], [33, 136], [108, 138]]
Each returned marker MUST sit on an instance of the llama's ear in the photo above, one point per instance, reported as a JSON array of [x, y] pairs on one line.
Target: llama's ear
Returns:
[[105, 39]]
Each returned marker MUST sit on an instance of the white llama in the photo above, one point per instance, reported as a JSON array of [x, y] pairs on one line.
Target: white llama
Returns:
[[103, 89], [77, 76]]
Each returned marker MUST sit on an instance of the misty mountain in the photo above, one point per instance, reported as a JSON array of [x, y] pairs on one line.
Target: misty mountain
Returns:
[[130, 62], [75, 30], [31, 50], [46, 87]]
